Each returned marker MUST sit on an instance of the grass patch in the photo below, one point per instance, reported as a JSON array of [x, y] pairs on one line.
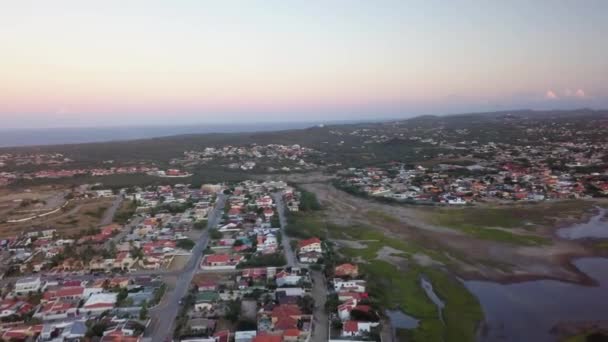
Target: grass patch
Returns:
[[395, 288], [513, 216], [478, 222], [305, 225], [382, 217], [374, 241]]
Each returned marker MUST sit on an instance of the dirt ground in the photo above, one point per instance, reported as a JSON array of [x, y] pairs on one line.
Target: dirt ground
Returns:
[[178, 262], [476, 258], [77, 216], [24, 202]]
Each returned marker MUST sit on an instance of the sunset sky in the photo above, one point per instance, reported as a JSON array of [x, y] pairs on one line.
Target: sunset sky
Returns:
[[114, 62]]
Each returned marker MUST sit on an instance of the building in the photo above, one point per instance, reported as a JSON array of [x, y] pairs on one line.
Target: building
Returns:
[[99, 302], [310, 245], [24, 286], [346, 270]]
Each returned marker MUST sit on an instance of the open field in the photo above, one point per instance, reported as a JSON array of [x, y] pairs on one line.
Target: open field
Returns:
[[28, 202], [524, 246], [77, 216], [397, 245]]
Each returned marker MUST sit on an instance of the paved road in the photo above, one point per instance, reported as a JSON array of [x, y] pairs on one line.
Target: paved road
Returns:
[[108, 216], [124, 231], [319, 293], [292, 260], [163, 315]]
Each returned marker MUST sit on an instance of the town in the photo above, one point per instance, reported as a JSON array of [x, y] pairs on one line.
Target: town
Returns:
[[207, 264]]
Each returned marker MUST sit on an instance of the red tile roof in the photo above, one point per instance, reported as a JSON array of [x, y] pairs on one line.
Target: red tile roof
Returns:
[[351, 326], [307, 242]]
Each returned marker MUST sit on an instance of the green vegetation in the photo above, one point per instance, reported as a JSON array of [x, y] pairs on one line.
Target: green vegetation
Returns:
[[97, 213], [126, 211], [382, 217], [478, 222], [308, 201], [186, 244], [215, 234], [588, 337], [304, 225], [200, 225], [276, 259], [396, 287], [159, 293]]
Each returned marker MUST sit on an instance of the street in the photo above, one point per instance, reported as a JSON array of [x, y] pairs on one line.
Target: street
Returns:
[[163, 316], [292, 260], [108, 216], [321, 321]]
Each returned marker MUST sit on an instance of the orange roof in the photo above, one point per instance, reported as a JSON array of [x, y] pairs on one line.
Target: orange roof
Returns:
[[307, 242], [286, 310], [267, 338], [351, 326], [291, 332]]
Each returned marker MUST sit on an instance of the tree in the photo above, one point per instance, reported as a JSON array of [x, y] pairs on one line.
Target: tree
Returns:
[[200, 225], [307, 304], [234, 310], [215, 234], [143, 313], [186, 244]]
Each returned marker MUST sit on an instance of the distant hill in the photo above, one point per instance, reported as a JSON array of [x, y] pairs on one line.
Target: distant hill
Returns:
[[333, 139]]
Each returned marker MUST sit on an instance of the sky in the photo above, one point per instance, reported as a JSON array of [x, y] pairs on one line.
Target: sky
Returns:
[[128, 62]]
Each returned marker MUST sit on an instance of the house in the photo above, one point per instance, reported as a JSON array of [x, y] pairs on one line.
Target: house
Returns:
[[206, 300], [310, 245], [245, 336], [346, 270], [10, 307], [123, 261], [267, 243], [284, 278], [99, 302], [268, 213], [345, 308], [267, 338], [202, 325], [206, 285], [285, 316], [24, 286], [22, 332], [64, 293], [354, 328], [264, 202], [349, 285], [310, 257], [221, 260], [56, 310]]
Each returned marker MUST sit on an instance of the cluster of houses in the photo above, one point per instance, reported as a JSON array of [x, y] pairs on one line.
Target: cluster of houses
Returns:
[[65, 309], [354, 316], [170, 173], [270, 157], [254, 304], [9, 177], [21, 159], [161, 229], [457, 185], [249, 228]]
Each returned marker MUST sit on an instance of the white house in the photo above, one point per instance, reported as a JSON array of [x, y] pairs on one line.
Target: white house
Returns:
[[310, 245], [349, 285], [25, 285]]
